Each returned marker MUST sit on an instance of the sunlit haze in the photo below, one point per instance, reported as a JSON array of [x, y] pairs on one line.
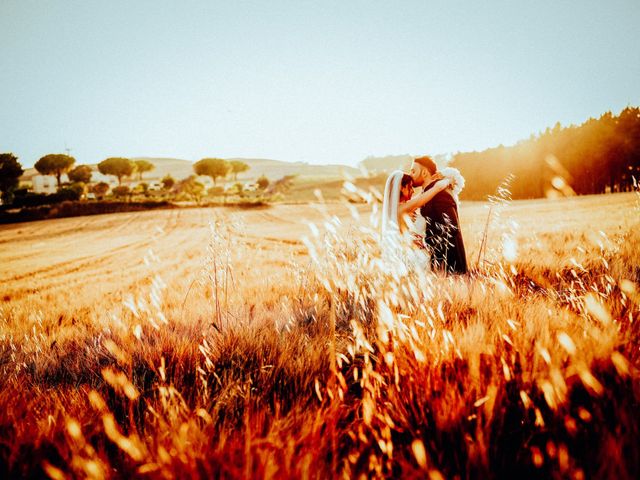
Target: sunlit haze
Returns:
[[319, 82]]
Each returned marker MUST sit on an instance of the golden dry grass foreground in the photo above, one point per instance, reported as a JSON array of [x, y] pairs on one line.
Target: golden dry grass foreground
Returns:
[[277, 343]]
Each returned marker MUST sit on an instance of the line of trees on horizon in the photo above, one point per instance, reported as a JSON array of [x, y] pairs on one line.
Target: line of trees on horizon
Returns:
[[600, 155], [80, 178], [58, 164]]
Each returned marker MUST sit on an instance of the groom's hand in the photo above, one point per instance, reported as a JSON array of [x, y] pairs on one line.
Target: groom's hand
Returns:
[[442, 184]]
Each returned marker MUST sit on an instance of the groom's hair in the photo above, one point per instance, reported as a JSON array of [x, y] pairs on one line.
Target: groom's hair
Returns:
[[428, 163]]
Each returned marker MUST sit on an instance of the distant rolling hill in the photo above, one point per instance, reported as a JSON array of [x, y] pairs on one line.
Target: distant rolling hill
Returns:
[[386, 164], [272, 169], [377, 165]]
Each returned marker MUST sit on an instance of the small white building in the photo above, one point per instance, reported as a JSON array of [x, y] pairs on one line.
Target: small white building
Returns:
[[46, 183], [49, 184]]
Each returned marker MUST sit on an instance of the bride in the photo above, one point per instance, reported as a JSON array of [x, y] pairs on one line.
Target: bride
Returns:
[[402, 225]]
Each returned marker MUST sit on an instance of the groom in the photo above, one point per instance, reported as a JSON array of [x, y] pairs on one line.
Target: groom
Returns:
[[443, 236]]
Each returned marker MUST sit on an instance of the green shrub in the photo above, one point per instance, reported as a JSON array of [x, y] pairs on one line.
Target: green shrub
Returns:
[[121, 191]]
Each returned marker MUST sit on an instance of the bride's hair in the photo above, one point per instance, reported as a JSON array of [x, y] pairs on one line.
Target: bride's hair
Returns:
[[406, 181]]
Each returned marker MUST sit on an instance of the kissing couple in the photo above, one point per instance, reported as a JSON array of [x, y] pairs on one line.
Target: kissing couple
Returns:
[[428, 219]]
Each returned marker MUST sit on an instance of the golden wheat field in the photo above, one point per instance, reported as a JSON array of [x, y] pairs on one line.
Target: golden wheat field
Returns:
[[277, 343]]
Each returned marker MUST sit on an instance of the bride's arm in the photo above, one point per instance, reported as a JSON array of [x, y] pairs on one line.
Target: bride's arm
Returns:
[[422, 199]]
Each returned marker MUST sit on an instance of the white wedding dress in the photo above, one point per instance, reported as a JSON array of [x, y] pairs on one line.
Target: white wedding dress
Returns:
[[400, 251], [417, 255]]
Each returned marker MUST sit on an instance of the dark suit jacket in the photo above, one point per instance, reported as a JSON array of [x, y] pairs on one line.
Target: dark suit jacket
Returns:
[[443, 236]]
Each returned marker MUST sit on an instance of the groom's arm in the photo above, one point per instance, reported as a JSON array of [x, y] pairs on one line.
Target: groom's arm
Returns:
[[422, 199]]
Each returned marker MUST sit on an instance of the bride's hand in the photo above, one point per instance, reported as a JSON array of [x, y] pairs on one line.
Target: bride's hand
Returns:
[[442, 184], [437, 176]]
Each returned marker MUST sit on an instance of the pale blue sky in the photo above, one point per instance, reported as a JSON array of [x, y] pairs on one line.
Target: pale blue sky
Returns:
[[321, 82]]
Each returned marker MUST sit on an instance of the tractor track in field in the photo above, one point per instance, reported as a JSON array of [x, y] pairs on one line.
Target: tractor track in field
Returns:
[[100, 256]]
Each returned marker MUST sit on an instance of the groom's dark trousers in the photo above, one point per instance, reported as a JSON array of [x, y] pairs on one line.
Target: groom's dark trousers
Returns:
[[443, 237]]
